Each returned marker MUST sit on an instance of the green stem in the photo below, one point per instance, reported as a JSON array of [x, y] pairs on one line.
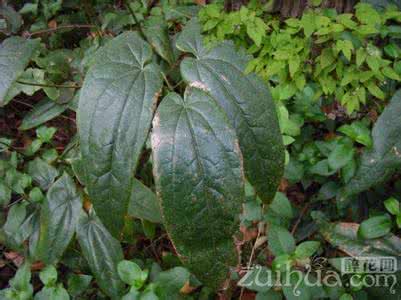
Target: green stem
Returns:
[[50, 85]]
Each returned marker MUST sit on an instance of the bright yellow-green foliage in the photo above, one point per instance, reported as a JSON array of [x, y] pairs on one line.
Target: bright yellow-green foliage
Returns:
[[337, 52]]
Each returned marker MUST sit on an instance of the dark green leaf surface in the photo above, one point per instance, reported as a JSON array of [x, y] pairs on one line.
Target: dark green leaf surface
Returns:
[[116, 106], [42, 112], [15, 53], [247, 102], [102, 252], [199, 178], [58, 219], [143, 203], [384, 159]]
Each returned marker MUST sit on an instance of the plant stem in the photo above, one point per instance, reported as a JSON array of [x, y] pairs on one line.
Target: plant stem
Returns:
[[135, 20], [170, 87], [50, 30], [50, 85]]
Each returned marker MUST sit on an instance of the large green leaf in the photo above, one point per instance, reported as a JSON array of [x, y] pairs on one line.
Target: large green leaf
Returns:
[[247, 102], [102, 252], [58, 219], [384, 159], [199, 178], [15, 53], [143, 203], [116, 106]]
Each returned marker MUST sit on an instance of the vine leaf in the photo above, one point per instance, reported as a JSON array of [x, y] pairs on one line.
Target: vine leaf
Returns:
[[199, 179], [116, 106], [58, 218], [102, 252], [15, 54], [380, 162], [247, 102]]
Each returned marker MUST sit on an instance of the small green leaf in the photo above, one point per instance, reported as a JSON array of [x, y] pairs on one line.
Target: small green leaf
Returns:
[[341, 155], [306, 249], [78, 283], [42, 173], [48, 275], [375, 227], [281, 206], [346, 297], [360, 56], [21, 280], [392, 205], [45, 134], [131, 273], [282, 263], [398, 220], [280, 241], [390, 73]]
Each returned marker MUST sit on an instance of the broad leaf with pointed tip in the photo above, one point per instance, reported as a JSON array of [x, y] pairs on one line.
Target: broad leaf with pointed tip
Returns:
[[15, 54], [380, 162], [199, 179], [58, 218], [102, 252], [247, 102], [116, 106]]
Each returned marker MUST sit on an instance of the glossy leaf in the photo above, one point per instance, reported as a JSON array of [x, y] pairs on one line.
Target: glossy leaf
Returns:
[[143, 203], [15, 54], [199, 178], [59, 216], [384, 159], [102, 252], [116, 106], [247, 102]]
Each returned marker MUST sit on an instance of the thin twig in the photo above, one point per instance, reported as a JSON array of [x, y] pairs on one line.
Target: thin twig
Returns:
[[50, 85], [135, 20], [253, 251], [50, 30], [13, 148], [171, 88], [303, 212]]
